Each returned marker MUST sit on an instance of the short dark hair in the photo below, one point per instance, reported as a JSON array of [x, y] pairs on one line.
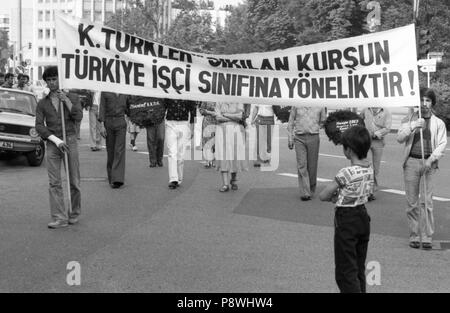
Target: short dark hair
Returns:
[[2, 74], [357, 138], [19, 76], [50, 71], [8, 75], [429, 93]]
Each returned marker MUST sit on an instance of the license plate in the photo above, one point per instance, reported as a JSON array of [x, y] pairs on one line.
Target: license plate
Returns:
[[6, 145]]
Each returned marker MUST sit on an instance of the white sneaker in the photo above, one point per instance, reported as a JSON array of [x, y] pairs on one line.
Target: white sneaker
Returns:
[[135, 148]]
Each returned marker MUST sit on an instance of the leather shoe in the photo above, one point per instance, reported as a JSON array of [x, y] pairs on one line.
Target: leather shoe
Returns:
[[427, 246], [173, 184], [152, 165], [414, 244], [160, 163], [305, 198], [57, 224], [116, 185], [73, 220]]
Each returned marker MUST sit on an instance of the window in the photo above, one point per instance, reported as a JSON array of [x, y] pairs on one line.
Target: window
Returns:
[[54, 33], [109, 6], [41, 52], [98, 8], [47, 34], [40, 16], [54, 52], [40, 33], [47, 16], [98, 16], [87, 5], [47, 52]]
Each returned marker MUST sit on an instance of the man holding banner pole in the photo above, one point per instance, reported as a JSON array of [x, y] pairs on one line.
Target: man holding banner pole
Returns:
[[425, 138], [56, 115]]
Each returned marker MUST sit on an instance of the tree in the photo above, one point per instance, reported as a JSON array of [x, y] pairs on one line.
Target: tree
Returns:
[[141, 17], [192, 30]]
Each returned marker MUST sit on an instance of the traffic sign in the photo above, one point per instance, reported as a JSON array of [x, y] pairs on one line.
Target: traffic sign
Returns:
[[436, 55], [423, 62], [428, 68]]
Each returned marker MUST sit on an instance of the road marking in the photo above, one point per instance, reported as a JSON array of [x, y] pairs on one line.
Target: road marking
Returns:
[[324, 180], [338, 156], [394, 191], [400, 192], [146, 152]]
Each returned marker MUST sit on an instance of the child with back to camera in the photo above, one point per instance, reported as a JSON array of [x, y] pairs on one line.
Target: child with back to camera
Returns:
[[350, 191]]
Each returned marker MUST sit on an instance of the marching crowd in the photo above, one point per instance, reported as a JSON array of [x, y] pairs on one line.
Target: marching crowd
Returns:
[[171, 122]]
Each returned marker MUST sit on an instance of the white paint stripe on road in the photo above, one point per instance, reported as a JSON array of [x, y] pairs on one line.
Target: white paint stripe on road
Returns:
[[338, 156], [400, 192], [395, 191], [324, 180], [145, 152]]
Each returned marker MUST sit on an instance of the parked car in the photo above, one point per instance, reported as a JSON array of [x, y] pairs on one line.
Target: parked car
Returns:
[[17, 121]]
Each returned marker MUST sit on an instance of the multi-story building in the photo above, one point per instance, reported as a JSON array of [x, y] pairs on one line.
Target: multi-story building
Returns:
[[44, 35], [4, 22], [38, 34]]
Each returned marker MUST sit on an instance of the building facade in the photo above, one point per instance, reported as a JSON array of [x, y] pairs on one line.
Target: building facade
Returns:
[[44, 35], [33, 26]]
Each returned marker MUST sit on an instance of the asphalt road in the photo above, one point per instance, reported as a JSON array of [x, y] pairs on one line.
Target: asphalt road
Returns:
[[261, 238]]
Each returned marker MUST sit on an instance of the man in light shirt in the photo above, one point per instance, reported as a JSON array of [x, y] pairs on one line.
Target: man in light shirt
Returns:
[[378, 122], [264, 119], [303, 132]]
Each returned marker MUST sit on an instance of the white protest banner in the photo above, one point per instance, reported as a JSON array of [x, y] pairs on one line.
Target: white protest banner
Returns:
[[377, 69]]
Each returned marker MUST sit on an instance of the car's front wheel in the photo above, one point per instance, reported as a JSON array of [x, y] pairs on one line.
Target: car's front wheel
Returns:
[[36, 157]]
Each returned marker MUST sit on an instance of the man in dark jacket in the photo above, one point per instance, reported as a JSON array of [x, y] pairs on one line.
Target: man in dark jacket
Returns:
[[149, 112], [113, 108], [49, 127]]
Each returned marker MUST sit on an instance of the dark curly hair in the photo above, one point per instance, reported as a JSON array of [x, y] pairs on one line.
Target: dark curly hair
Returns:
[[357, 138], [50, 71], [332, 129]]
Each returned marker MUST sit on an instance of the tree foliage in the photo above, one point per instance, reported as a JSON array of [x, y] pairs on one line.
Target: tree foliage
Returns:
[[266, 25]]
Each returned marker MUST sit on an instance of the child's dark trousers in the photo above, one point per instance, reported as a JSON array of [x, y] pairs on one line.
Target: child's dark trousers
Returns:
[[351, 239]]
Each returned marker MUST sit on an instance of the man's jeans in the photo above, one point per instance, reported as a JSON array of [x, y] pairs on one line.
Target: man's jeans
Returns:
[[307, 151], [54, 159], [376, 147], [414, 175], [155, 142], [351, 239]]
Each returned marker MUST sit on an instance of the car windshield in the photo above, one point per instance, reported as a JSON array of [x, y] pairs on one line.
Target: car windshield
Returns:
[[17, 102]]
